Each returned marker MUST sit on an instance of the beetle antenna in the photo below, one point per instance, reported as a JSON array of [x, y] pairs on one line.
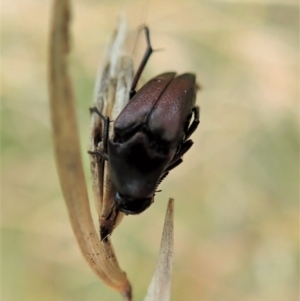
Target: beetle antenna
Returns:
[[143, 63]]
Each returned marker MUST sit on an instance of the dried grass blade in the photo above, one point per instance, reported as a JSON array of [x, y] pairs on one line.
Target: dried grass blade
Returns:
[[99, 256], [160, 286]]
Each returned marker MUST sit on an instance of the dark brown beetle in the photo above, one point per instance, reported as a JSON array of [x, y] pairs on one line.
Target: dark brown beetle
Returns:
[[151, 134]]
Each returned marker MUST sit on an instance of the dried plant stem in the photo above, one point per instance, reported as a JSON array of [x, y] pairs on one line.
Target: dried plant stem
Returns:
[[99, 255]]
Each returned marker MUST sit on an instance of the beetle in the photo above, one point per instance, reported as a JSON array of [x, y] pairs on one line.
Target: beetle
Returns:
[[150, 135]]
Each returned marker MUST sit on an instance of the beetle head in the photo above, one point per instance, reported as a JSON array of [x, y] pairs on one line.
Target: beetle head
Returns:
[[130, 205]]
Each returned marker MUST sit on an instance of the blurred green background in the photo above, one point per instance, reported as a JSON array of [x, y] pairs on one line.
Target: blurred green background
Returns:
[[236, 194]]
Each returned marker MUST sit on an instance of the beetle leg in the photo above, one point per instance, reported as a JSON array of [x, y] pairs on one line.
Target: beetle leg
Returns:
[[143, 63], [161, 178], [184, 147], [106, 126], [194, 124], [98, 153], [95, 110], [174, 164]]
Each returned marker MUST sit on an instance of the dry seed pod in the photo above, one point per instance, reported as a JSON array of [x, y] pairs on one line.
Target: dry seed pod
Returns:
[[111, 95], [99, 255]]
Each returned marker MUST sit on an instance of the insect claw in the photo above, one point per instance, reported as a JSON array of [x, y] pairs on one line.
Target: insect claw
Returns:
[[104, 239], [95, 110], [158, 49], [98, 153], [106, 122], [141, 27]]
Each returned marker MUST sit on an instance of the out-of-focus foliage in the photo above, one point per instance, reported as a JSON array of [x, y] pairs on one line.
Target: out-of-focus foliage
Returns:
[[236, 216]]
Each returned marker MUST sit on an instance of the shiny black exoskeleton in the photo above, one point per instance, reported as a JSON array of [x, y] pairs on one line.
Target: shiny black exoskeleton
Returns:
[[151, 134]]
